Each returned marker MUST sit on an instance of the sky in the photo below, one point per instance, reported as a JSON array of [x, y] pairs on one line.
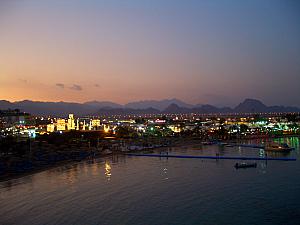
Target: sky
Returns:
[[216, 52]]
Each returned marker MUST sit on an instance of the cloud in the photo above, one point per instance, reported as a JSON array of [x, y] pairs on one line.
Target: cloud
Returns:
[[76, 87], [60, 85], [23, 80]]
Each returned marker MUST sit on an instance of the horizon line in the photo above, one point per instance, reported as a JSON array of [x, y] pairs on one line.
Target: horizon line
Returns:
[[137, 101]]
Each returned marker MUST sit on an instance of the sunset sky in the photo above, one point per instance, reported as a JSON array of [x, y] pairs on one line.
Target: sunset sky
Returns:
[[216, 52]]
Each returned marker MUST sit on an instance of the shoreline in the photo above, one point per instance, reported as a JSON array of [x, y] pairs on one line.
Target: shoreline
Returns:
[[176, 143], [8, 177]]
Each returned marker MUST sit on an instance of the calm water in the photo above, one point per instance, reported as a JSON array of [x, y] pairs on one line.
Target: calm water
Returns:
[[138, 190]]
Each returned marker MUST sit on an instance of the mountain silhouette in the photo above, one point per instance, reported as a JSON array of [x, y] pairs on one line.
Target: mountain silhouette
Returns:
[[62, 109], [157, 104], [251, 106]]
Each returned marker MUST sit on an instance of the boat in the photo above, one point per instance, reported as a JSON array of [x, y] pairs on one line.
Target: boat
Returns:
[[229, 146], [207, 143], [106, 151], [135, 148], [278, 147], [245, 165], [222, 144]]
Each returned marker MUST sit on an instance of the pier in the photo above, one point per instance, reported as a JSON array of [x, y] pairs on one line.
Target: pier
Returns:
[[210, 157], [248, 146]]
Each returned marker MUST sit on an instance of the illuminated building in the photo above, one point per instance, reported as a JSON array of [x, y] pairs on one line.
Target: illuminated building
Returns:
[[14, 117], [106, 128], [61, 124], [50, 128], [95, 123], [31, 133], [77, 124], [83, 128], [175, 129], [90, 125], [71, 122]]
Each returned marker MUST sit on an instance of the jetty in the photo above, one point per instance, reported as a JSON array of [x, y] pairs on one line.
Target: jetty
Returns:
[[210, 157]]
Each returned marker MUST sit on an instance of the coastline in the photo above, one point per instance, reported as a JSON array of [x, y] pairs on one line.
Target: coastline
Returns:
[[181, 141], [8, 177]]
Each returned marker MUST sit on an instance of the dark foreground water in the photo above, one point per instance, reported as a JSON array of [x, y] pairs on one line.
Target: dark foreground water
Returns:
[[138, 190]]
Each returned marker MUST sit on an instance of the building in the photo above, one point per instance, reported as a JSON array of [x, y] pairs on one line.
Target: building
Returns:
[[50, 127], [95, 123], [14, 117], [71, 122], [61, 124]]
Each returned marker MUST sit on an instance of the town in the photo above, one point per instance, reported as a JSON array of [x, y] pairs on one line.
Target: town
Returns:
[[29, 143], [203, 126]]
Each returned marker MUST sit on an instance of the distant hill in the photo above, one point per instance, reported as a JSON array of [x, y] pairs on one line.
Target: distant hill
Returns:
[[174, 108], [62, 109], [160, 105], [6, 105], [103, 104], [251, 106], [206, 109], [256, 106], [54, 108], [126, 111]]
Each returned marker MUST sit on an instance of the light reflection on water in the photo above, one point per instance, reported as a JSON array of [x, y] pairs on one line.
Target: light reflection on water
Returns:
[[158, 191], [107, 170]]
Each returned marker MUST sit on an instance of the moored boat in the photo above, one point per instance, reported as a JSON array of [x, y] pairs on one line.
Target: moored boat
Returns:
[[207, 143], [278, 147], [245, 165], [229, 146]]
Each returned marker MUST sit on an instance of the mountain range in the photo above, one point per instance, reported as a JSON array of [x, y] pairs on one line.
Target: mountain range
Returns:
[[140, 107]]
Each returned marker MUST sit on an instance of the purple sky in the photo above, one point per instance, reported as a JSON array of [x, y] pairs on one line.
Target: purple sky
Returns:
[[216, 52]]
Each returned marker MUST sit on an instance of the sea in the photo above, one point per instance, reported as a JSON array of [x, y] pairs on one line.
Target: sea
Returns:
[[130, 190]]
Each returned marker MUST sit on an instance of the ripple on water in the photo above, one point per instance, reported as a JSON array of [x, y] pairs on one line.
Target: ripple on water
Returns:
[[129, 190]]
